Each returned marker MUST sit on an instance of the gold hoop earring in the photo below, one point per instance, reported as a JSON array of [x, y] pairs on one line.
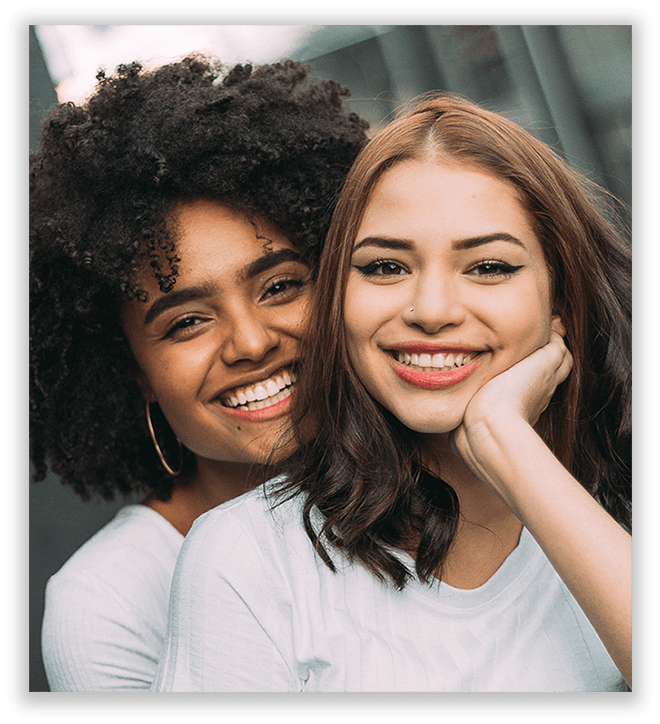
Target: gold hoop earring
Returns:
[[158, 450]]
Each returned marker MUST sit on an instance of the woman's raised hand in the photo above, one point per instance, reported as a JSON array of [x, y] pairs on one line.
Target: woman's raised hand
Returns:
[[519, 394]]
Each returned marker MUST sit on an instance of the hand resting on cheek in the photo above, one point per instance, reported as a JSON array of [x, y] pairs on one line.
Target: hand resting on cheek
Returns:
[[517, 395]]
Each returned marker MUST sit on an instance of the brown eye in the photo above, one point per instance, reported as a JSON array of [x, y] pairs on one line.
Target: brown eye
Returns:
[[183, 326], [381, 269], [493, 268], [284, 289]]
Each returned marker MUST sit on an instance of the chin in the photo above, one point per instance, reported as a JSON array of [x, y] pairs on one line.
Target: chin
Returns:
[[430, 429], [430, 425]]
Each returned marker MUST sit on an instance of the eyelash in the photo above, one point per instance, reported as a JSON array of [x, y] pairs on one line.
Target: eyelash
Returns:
[[189, 322], [183, 325], [369, 270], [501, 268], [287, 282]]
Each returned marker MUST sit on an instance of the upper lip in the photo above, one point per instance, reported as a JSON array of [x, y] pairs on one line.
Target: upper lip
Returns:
[[255, 377], [431, 348]]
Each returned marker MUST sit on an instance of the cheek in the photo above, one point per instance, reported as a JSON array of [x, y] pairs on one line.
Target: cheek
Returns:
[[368, 308], [176, 406], [197, 429], [176, 378], [353, 321], [293, 318], [526, 321], [170, 379]]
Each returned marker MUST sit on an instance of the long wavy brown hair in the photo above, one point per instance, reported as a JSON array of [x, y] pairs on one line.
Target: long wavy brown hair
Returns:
[[360, 467]]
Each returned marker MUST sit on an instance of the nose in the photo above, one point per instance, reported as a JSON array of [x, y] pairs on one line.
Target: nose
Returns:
[[250, 337], [435, 303]]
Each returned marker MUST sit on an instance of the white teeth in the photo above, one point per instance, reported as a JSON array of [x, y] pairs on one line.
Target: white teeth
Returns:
[[272, 388], [434, 362], [261, 404], [260, 392], [263, 394]]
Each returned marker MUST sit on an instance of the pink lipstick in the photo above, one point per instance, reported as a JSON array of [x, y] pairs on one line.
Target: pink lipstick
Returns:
[[434, 380], [434, 366], [265, 413]]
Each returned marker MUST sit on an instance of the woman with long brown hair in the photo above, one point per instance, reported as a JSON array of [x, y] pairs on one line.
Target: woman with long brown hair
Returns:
[[457, 515]]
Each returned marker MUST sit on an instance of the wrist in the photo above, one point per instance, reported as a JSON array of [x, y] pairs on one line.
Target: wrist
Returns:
[[511, 457]]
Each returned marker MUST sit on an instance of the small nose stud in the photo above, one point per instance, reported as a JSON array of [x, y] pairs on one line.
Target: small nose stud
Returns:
[[411, 309]]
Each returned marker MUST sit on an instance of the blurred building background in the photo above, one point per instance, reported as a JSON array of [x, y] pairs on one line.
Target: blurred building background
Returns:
[[569, 85]]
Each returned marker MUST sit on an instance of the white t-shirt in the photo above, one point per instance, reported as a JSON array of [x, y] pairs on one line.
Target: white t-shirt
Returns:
[[253, 608], [106, 608]]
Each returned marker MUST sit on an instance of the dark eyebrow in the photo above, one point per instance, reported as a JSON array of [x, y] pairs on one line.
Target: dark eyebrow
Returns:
[[385, 242], [200, 291], [175, 298], [472, 242], [269, 260]]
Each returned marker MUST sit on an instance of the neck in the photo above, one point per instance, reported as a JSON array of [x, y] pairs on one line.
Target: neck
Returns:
[[212, 483], [479, 502], [487, 530], [215, 482]]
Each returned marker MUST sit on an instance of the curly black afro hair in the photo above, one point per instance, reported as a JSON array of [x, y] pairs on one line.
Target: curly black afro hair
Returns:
[[267, 140]]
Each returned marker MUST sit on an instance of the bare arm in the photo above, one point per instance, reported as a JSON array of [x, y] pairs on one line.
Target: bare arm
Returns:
[[589, 550]]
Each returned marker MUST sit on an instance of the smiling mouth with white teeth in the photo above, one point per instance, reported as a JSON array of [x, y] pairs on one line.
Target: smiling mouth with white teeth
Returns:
[[262, 394], [439, 362]]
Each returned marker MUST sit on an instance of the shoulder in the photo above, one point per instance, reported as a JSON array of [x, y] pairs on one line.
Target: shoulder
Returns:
[[256, 532], [106, 608], [137, 541], [257, 518], [261, 509], [131, 558]]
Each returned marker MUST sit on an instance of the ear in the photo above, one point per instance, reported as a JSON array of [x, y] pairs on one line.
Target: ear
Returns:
[[558, 326]]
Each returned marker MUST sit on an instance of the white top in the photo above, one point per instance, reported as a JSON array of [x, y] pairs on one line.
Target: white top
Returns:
[[106, 608], [253, 608]]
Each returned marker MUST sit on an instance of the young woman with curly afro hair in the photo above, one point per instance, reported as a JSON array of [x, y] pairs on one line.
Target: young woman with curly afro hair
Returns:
[[176, 218]]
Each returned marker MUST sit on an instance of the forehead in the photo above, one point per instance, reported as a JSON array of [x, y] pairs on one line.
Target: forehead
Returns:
[[210, 232], [444, 198], [213, 240]]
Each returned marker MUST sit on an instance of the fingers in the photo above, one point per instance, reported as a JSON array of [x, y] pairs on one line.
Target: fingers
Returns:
[[557, 326], [565, 367], [562, 359]]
